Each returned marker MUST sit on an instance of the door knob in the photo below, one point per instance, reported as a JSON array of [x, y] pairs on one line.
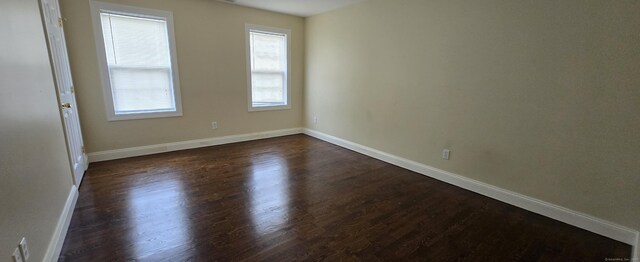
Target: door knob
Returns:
[[66, 105]]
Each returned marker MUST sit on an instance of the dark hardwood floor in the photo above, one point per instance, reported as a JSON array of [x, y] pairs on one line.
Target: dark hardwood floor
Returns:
[[299, 198]]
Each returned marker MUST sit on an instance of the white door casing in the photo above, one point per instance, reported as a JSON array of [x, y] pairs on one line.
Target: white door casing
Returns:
[[64, 84]]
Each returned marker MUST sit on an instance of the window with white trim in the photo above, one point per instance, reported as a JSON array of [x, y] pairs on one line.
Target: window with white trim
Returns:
[[268, 67], [136, 48]]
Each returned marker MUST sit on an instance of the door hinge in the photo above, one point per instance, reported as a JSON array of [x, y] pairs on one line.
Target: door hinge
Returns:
[[60, 21], [73, 90], [82, 148]]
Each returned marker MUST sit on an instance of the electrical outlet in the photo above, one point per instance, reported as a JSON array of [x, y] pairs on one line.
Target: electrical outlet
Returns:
[[17, 256], [24, 249], [214, 125], [445, 154], [315, 120]]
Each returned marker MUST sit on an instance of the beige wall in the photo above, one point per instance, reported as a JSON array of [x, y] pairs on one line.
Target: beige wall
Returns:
[[211, 51], [35, 175], [538, 97]]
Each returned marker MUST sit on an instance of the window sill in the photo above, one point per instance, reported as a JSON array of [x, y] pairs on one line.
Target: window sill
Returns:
[[138, 116], [268, 108]]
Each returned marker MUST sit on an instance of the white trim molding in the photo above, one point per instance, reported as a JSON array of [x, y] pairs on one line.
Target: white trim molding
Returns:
[[98, 8], [168, 147], [60, 233], [571, 217], [251, 28], [636, 248]]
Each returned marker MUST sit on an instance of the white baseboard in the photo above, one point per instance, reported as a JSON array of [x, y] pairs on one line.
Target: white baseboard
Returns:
[[55, 244], [168, 147], [571, 217]]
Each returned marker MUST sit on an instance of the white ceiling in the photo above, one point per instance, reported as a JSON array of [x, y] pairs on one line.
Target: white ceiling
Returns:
[[303, 8]]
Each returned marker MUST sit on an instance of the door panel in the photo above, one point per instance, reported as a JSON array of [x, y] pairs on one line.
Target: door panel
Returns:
[[64, 84]]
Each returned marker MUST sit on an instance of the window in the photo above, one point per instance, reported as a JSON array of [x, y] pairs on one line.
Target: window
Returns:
[[136, 51], [268, 68]]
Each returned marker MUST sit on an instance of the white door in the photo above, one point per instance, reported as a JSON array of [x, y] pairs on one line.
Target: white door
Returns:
[[64, 84]]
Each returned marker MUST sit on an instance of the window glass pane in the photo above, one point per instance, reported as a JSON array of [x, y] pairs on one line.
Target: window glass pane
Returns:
[[140, 89], [108, 38], [268, 52], [138, 57], [268, 68], [134, 41], [268, 89]]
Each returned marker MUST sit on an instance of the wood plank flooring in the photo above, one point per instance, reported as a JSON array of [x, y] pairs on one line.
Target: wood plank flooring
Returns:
[[299, 198]]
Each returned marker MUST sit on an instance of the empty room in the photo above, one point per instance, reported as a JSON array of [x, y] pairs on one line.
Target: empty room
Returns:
[[307, 130]]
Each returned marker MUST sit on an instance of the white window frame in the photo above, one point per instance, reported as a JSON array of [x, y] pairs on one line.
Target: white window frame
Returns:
[[96, 9], [287, 85]]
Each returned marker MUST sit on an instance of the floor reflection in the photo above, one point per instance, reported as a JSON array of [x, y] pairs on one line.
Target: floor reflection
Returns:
[[158, 215], [269, 185]]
